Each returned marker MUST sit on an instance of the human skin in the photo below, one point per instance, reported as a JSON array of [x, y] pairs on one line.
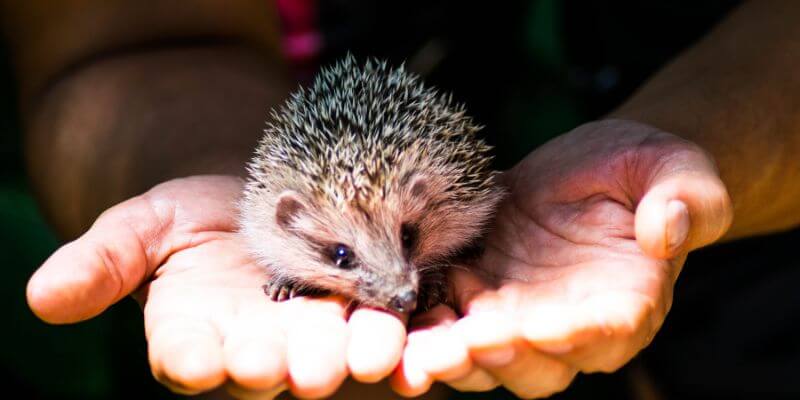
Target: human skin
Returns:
[[579, 267], [118, 97], [565, 284]]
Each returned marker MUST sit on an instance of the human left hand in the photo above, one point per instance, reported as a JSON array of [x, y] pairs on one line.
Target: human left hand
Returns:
[[207, 320], [579, 265]]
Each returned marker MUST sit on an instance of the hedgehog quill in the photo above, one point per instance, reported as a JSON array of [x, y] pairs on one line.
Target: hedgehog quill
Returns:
[[367, 184]]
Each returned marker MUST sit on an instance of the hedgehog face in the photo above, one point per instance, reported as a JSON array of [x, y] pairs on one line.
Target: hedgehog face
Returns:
[[378, 251], [364, 248], [336, 249]]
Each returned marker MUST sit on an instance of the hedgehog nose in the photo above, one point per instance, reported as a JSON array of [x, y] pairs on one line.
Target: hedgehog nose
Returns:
[[404, 302]]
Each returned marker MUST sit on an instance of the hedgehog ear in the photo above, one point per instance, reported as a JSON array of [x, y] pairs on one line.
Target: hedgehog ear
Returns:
[[289, 207], [418, 186]]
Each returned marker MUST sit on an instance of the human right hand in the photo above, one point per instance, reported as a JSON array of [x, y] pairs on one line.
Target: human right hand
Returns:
[[207, 320], [579, 266]]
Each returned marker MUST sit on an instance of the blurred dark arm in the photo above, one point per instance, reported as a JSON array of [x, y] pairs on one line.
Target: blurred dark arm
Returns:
[[120, 95]]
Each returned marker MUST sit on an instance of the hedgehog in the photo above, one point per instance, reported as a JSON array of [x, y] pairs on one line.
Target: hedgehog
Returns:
[[367, 184]]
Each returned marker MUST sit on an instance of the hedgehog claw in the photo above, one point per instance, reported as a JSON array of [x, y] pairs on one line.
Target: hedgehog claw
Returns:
[[268, 291], [283, 294], [431, 298], [433, 290], [279, 291]]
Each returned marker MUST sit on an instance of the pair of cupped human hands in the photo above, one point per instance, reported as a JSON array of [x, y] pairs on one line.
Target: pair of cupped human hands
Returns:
[[577, 276]]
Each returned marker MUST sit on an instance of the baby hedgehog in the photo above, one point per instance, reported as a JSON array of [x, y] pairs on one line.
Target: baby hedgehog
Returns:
[[365, 185]]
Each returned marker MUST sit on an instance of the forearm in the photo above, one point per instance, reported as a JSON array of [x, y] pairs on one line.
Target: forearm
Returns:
[[120, 125], [118, 95], [737, 94], [47, 38]]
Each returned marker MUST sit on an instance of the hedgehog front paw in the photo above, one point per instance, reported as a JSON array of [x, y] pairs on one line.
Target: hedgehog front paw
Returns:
[[431, 297], [433, 290], [280, 290]]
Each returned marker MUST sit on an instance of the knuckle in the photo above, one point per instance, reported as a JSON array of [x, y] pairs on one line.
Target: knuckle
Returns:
[[615, 361], [172, 384], [559, 379], [111, 263], [565, 379], [242, 393], [608, 356]]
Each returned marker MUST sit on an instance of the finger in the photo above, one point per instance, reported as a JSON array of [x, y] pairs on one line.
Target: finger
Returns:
[[242, 393], [530, 373], [496, 319], [410, 379], [489, 337], [471, 294], [600, 334], [255, 352], [299, 309], [415, 373], [486, 334], [84, 277], [494, 346], [353, 390], [375, 345], [443, 355], [624, 325], [685, 206], [317, 337], [186, 355], [477, 380]]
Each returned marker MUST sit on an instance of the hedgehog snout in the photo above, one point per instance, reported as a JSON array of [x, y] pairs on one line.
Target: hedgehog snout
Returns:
[[403, 294], [394, 289], [404, 302]]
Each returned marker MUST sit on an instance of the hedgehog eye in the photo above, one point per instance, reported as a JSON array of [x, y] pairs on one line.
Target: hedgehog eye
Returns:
[[342, 256], [408, 236]]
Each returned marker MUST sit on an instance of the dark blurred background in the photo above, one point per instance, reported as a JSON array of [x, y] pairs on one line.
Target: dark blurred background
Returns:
[[527, 70]]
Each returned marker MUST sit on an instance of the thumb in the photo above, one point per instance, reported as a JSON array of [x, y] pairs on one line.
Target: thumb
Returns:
[[127, 243], [86, 276], [685, 206]]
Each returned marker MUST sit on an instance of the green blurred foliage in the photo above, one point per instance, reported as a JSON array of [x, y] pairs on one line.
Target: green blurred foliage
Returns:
[[62, 362], [99, 359], [69, 361], [543, 106]]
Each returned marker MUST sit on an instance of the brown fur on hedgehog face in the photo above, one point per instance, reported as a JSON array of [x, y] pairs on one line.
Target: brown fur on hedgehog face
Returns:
[[395, 237]]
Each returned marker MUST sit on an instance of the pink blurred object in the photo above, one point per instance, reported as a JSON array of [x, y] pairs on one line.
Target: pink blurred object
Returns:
[[302, 41]]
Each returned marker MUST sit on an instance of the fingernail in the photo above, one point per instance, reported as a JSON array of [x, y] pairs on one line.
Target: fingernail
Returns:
[[677, 223], [555, 347], [495, 357], [484, 331]]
